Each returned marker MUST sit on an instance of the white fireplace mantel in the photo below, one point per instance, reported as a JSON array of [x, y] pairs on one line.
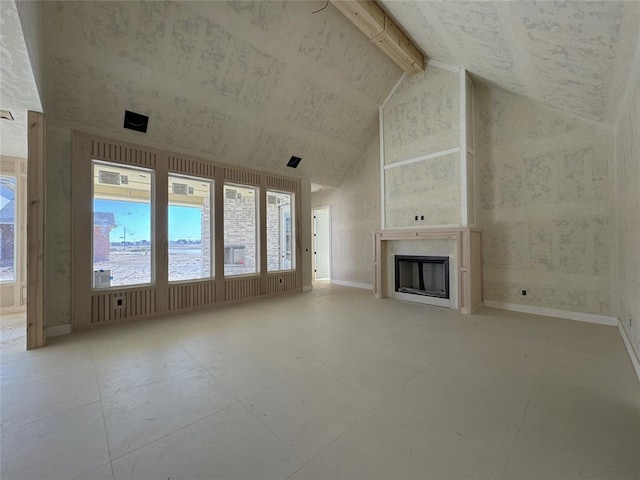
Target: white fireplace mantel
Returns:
[[469, 260]]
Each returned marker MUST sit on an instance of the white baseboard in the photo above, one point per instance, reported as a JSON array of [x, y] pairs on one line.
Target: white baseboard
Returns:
[[632, 354], [58, 330], [307, 288], [552, 312], [365, 286]]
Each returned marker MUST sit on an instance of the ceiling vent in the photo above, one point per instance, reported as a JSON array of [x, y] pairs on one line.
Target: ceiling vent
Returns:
[[294, 162], [136, 121]]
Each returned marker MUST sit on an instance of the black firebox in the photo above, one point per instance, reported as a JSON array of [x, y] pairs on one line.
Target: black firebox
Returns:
[[427, 276]]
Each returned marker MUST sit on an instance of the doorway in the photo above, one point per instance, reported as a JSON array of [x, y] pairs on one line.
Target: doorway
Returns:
[[321, 243]]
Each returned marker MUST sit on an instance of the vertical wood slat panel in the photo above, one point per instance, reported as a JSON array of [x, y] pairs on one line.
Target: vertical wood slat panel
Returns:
[[142, 302], [239, 288], [246, 177], [135, 303], [114, 152], [289, 282], [191, 166], [191, 295], [286, 184]]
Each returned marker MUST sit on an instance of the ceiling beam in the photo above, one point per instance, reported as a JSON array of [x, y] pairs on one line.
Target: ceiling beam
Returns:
[[382, 30]]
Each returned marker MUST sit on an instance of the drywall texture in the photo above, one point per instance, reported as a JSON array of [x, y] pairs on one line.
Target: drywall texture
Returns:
[[573, 55], [57, 252], [545, 205], [429, 188], [422, 116], [18, 91], [242, 83], [355, 215], [628, 209]]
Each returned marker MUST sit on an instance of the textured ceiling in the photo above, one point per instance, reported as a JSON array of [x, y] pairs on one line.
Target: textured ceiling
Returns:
[[571, 55], [252, 83], [246, 83], [17, 87]]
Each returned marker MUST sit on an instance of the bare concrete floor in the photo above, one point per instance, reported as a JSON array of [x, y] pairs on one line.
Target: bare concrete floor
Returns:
[[325, 384]]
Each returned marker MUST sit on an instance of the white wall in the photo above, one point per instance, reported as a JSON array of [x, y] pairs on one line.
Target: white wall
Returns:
[[355, 215], [546, 205], [628, 209]]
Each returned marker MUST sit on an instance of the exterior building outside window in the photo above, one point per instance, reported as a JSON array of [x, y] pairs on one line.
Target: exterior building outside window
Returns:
[[122, 225], [240, 230], [190, 233]]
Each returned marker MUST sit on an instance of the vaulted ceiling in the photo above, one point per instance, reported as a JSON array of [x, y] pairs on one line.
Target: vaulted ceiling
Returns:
[[571, 55], [248, 83], [253, 82]]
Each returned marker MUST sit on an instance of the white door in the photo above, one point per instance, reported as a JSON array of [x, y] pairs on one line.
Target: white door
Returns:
[[322, 243]]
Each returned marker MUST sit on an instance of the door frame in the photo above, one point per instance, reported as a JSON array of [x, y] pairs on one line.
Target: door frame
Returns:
[[36, 171], [313, 238]]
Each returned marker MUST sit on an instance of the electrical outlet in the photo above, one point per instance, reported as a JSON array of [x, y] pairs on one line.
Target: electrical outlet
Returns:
[[524, 293]]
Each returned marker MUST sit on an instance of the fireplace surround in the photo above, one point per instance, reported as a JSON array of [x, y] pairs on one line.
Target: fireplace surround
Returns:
[[465, 274]]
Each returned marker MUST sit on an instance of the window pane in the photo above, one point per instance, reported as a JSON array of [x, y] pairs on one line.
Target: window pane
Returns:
[[189, 228], [279, 231], [240, 230], [7, 228], [122, 250]]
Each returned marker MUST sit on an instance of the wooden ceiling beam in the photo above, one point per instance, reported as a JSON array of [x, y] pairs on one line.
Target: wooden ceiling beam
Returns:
[[382, 30]]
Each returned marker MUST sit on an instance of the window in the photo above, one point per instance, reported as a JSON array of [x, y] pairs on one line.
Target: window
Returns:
[[189, 228], [122, 225], [279, 231], [240, 230], [8, 242]]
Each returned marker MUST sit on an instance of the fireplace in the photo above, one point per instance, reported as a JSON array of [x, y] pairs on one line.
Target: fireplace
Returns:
[[422, 276]]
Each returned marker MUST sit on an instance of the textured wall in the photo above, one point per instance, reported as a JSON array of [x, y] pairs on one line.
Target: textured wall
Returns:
[[545, 205], [18, 92], [429, 187], [57, 289], [628, 209], [422, 118], [355, 215]]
